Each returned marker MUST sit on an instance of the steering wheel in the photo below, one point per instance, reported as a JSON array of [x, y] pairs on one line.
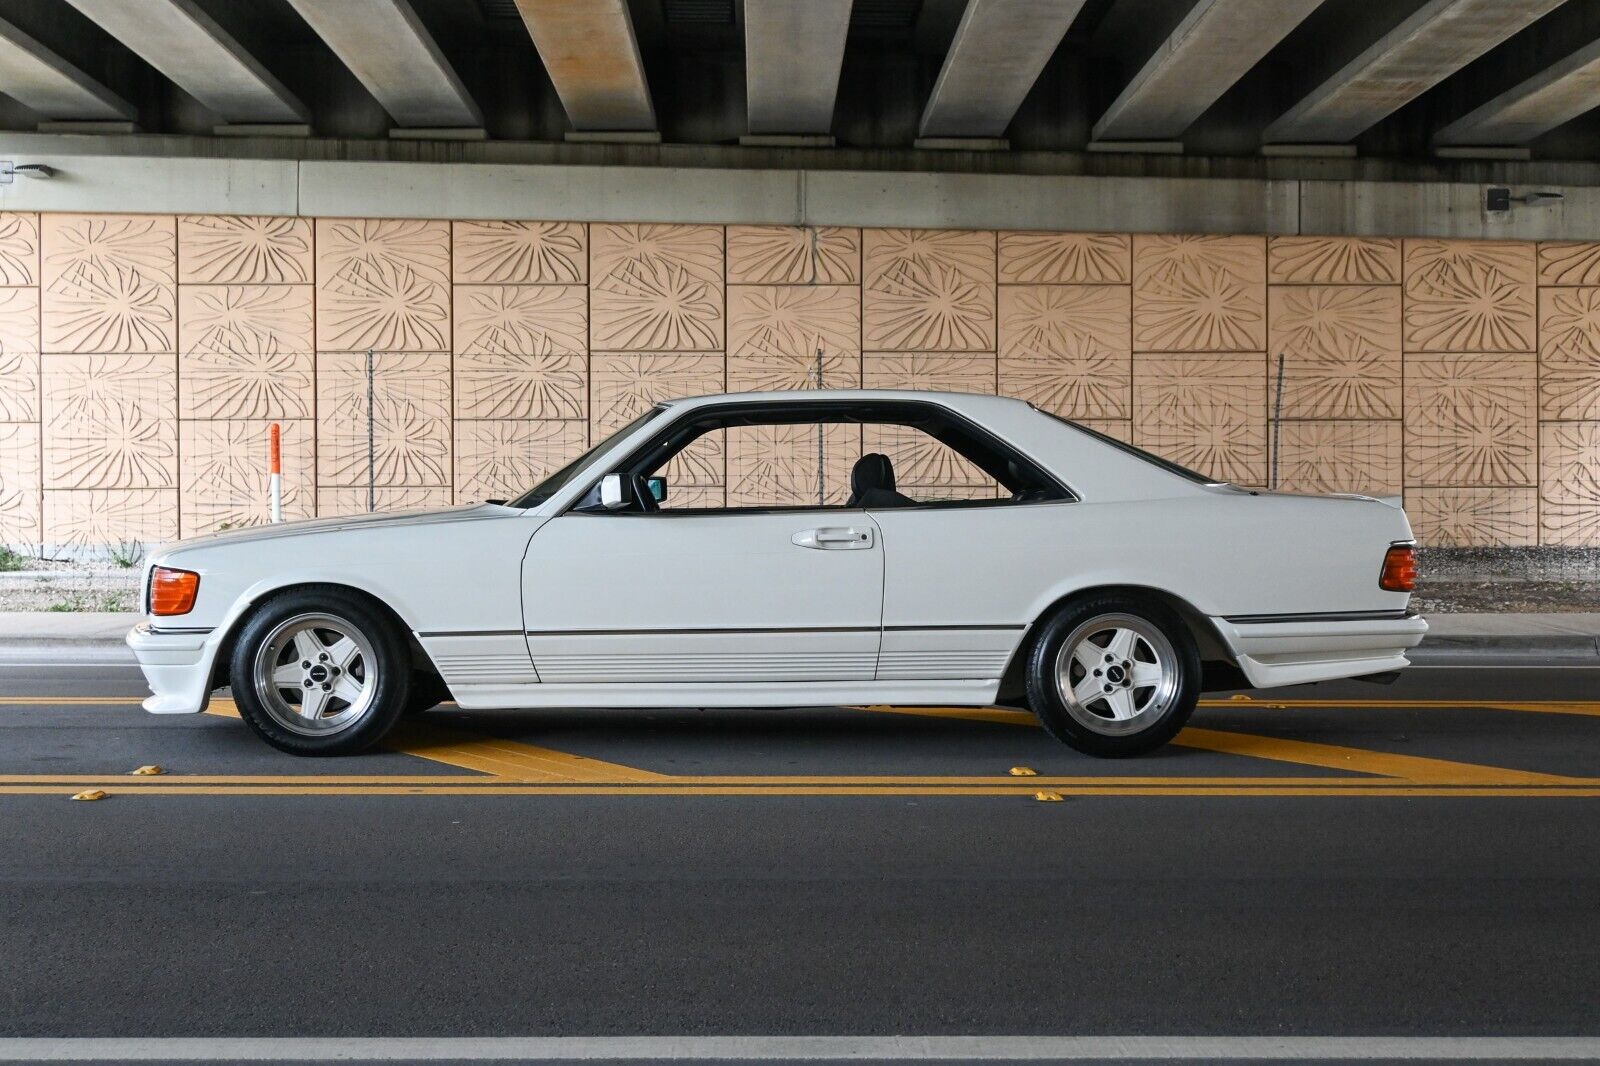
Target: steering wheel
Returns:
[[648, 504]]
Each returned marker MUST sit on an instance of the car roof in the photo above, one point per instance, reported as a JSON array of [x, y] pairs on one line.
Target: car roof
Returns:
[[957, 400]]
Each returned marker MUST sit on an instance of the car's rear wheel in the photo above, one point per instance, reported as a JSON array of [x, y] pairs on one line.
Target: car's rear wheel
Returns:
[[1113, 675], [320, 673]]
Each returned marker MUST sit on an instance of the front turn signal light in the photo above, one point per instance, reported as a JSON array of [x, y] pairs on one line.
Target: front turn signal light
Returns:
[[1399, 569], [173, 591]]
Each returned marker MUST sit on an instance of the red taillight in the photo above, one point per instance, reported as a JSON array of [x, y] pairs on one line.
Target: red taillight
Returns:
[[1399, 569], [172, 591]]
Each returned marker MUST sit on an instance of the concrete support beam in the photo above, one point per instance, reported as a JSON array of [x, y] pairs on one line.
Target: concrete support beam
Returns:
[[1559, 93], [999, 50], [117, 174], [392, 53], [1437, 40], [185, 44], [793, 52], [1217, 42], [592, 56], [45, 83]]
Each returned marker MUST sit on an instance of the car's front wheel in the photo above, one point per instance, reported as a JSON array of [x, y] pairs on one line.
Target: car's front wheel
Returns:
[[1113, 675], [320, 673]]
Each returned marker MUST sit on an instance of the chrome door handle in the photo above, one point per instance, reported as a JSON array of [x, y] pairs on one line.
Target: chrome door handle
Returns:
[[836, 538]]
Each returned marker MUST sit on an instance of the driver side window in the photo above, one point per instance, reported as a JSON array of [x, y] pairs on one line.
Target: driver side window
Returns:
[[844, 460]]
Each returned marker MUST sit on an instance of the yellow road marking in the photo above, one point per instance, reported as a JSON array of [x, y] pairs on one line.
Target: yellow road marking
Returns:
[[1411, 768], [513, 768], [508, 759], [779, 788]]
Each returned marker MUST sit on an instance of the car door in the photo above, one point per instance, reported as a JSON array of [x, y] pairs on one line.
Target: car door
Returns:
[[961, 586], [725, 597]]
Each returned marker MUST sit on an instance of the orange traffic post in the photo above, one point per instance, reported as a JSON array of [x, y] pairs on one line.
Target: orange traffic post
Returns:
[[275, 481]]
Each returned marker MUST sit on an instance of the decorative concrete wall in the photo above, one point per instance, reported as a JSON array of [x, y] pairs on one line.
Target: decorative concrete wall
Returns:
[[142, 358]]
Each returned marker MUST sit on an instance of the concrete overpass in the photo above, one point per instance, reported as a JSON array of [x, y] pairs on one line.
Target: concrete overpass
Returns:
[[1202, 77]]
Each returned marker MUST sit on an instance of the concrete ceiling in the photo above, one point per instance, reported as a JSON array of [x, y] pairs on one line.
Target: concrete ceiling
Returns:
[[1403, 79]]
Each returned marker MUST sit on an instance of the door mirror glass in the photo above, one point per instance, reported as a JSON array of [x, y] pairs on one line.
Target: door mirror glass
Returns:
[[657, 487], [613, 494]]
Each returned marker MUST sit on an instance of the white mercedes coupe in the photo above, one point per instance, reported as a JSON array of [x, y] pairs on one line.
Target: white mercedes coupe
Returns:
[[1100, 586]]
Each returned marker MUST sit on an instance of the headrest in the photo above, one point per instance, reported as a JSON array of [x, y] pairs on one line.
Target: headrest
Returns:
[[872, 471]]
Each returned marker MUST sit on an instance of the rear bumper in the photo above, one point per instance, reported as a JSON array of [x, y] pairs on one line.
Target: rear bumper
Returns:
[[1295, 652], [177, 666]]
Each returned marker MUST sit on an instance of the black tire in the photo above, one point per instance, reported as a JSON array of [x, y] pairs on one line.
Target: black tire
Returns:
[[1088, 725], [390, 672], [428, 690]]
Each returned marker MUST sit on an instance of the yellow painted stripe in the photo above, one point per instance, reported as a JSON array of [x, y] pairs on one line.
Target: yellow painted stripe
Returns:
[[1305, 753], [1413, 768], [507, 758], [485, 782], [499, 758], [873, 781], [586, 789]]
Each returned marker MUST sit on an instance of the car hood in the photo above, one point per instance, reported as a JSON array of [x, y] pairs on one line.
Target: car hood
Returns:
[[468, 513]]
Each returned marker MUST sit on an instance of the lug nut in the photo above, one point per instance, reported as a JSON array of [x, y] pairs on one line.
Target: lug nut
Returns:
[[308, 682], [327, 688], [1097, 673], [323, 657]]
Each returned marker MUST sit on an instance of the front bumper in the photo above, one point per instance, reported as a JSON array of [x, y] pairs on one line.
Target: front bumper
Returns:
[[177, 666], [1296, 652]]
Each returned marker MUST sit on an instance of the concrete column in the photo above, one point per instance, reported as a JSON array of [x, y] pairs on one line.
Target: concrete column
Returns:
[[1212, 48], [1559, 93], [44, 82], [999, 50], [1439, 39], [392, 53], [185, 44], [592, 56], [793, 53]]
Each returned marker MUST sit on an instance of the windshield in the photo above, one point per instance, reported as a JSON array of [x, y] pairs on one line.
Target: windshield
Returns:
[[1123, 446], [558, 480]]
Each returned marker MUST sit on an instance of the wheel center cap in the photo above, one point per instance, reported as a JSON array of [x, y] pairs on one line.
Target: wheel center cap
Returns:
[[1114, 674], [318, 673]]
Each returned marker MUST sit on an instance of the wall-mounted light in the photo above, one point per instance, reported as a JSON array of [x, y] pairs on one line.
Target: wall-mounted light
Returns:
[[10, 170], [1499, 198]]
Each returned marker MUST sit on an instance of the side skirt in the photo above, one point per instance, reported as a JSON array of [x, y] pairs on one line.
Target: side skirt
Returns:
[[780, 694]]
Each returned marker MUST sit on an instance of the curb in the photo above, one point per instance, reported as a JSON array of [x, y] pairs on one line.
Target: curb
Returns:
[[1566, 650]]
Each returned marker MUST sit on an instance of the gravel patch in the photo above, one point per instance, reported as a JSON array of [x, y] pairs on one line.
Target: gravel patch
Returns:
[[67, 585]]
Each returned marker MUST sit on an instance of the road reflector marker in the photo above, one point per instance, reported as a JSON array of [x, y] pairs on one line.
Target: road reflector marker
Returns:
[[1024, 771], [1048, 797], [1239, 697], [147, 771], [91, 794]]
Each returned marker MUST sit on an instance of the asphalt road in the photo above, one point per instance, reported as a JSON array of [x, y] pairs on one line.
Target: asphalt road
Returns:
[[1418, 859]]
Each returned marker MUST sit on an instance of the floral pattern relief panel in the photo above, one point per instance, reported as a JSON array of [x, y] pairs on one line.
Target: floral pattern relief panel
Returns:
[[144, 358]]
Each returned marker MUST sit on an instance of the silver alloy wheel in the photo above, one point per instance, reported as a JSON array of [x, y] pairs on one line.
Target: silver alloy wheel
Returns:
[[315, 674], [1116, 674]]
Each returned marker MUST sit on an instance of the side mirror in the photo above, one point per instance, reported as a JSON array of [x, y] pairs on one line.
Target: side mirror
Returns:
[[613, 492], [657, 487]]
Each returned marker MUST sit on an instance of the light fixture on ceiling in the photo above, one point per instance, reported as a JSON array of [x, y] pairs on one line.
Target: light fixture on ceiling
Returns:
[[10, 170], [1499, 198]]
